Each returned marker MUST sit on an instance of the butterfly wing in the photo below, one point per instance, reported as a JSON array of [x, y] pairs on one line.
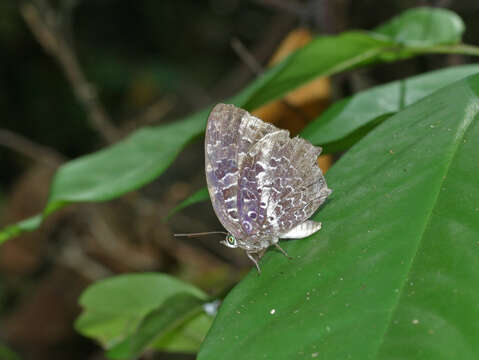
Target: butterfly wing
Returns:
[[230, 133], [280, 184]]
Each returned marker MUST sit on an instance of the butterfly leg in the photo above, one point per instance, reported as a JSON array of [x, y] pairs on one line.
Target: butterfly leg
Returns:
[[281, 249], [253, 259], [261, 253]]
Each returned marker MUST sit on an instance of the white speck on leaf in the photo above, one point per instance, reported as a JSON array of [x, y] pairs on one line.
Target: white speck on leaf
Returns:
[[272, 311], [415, 321], [211, 308]]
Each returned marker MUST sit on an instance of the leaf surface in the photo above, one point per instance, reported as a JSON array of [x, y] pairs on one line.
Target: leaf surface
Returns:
[[393, 272]]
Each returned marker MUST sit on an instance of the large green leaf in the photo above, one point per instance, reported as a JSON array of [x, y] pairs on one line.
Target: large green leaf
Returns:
[[347, 121], [393, 273], [118, 312], [146, 153], [351, 114]]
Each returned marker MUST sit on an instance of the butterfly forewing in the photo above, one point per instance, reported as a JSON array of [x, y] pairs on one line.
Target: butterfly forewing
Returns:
[[261, 182], [221, 163], [230, 133]]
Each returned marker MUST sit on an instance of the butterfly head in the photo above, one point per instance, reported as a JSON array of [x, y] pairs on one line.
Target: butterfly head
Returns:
[[230, 241], [251, 244]]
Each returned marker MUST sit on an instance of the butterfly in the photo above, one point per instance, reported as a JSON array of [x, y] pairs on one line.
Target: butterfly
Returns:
[[264, 185]]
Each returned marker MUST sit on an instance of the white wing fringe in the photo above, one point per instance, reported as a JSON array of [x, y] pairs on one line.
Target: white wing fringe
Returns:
[[302, 230]]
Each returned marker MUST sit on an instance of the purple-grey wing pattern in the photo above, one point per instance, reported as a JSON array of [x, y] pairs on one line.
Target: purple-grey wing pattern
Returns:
[[261, 182], [280, 184], [230, 133]]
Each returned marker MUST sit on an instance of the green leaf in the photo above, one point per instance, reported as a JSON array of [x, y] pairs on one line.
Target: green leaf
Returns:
[[345, 117], [348, 120], [393, 273], [349, 140], [424, 27], [187, 338], [323, 56], [176, 310], [122, 167], [114, 307], [28, 224], [145, 154]]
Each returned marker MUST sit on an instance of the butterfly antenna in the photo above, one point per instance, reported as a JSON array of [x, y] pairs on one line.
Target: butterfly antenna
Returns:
[[202, 234]]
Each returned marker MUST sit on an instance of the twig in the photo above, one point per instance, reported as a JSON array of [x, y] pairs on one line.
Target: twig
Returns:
[[246, 56], [55, 44], [257, 69], [151, 115], [154, 112], [272, 34], [28, 148]]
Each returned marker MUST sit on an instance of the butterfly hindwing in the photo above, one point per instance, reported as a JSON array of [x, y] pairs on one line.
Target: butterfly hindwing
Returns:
[[289, 184]]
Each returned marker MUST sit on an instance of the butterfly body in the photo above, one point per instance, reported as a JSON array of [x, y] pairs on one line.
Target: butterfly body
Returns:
[[263, 184]]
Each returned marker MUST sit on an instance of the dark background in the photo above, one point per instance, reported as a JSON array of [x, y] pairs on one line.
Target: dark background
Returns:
[[149, 62]]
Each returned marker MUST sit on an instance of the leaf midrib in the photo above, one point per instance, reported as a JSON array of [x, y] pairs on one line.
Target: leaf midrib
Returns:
[[459, 136]]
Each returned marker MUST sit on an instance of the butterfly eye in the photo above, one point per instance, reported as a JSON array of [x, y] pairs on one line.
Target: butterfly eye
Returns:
[[231, 240]]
